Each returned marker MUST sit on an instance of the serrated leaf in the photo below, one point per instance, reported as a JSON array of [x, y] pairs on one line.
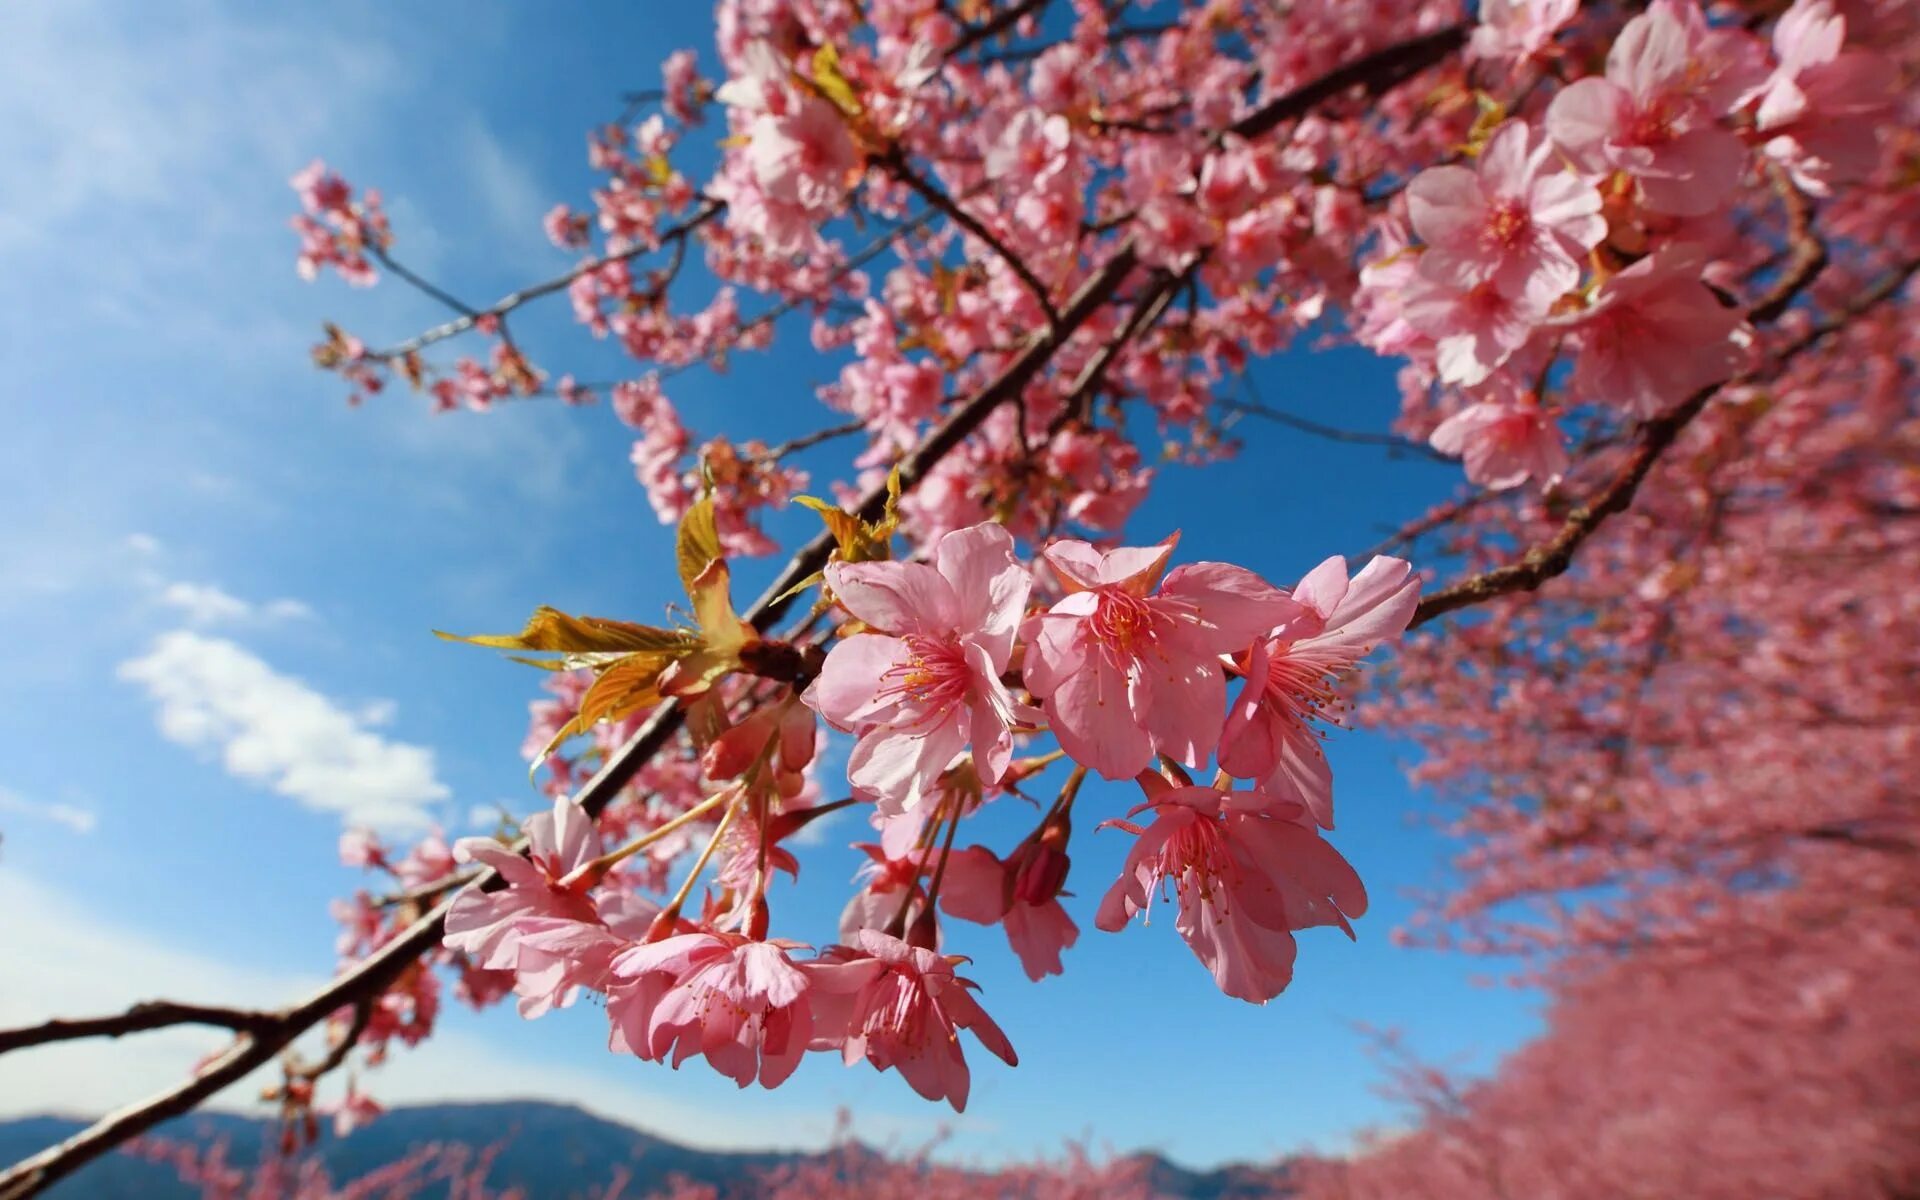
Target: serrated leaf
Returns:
[[551, 631], [697, 545]]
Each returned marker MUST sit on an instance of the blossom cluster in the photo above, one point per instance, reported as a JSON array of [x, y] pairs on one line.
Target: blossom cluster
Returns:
[[1588, 230], [943, 669]]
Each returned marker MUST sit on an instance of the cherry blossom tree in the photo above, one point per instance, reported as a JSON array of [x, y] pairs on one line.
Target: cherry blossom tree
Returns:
[[1646, 269]]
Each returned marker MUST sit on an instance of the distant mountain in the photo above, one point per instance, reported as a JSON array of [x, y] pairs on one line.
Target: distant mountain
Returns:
[[550, 1151]]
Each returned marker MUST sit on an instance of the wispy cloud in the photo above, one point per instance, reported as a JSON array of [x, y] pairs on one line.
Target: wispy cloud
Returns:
[[75, 818], [210, 604], [276, 731]]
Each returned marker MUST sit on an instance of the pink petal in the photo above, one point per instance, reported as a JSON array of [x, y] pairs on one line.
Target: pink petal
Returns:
[[898, 597]]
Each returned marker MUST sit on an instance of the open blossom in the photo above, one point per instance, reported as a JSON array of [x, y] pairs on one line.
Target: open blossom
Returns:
[[1269, 737], [1126, 671], [902, 1008], [1516, 218], [1654, 334], [743, 1004], [1475, 330], [1504, 443], [1656, 113], [545, 883], [1246, 873], [1821, 103], [1021, 895], [558, 958], [1518, 29], [929, 686]]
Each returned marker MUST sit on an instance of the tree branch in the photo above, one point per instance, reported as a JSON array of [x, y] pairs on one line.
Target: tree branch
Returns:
[[506, 304], [140, 1018], [897, 165], [1552, 557]]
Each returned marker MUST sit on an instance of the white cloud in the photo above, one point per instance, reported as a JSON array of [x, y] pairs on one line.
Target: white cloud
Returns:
[[75, 818], [205, 603], [211, 604], [144, 544], [513, 196], [274, 730]]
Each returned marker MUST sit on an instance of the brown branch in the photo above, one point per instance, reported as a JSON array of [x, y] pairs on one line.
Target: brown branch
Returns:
[[896, 164], [1376, 73], [1393, 442], [1552, 557], [141, 1018], [337, 1053], [806, 440], [994, 26]]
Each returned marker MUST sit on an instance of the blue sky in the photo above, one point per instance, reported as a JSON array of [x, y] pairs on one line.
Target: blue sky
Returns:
[[216, 576]]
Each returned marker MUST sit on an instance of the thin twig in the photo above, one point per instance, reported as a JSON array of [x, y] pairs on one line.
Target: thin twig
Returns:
[[1552, 557], [994, 26], [807, 440], [896, 164], [506, 304], [1393, 442]]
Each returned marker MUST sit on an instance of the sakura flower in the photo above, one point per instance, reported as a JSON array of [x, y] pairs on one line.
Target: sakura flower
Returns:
[[1655, 115], [1268, 736], [1474, 330], [1515, 218], [558, 958], [1820, 103], [804, 156], [928, 686], [1504, 443], [546, 883], [1655, 334], [1518, 29], [1021, 895], [1246, 874], [901, 1007], [1125, 671], [743, 1004]]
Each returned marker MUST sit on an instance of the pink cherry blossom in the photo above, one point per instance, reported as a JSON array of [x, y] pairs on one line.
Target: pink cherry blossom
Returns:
[[1505, 443], [1126, 671], [543, 884], [742, 1004], [902, 1008], [1518, 29], [1246, 873], [1269, 736], [1516, 219], [929, 685], [1475, 330], [1654, 334], [1656, 113], [1021, 895], [1823, 103]]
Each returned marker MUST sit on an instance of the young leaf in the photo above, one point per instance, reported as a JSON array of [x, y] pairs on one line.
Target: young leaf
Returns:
[[831, 84], [551, 631], [698, 542]]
